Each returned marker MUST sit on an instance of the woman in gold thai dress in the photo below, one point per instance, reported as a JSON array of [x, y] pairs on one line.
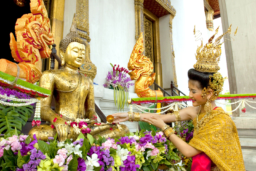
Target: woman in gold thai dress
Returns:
[[215, 144]]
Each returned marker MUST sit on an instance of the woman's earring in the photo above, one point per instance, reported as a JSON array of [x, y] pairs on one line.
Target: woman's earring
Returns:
[[204, 93], [208, 106]]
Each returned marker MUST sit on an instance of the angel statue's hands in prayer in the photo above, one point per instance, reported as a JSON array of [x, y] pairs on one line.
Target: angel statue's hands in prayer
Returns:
[[155, 120]]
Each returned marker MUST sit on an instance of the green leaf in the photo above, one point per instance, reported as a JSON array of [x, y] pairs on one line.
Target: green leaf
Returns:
[[154, 165], [80, 136], [22, 159], [97, 168], [85, 148], [73, 164], [145, 168], [28, 140], [90, 138], [43, 146]]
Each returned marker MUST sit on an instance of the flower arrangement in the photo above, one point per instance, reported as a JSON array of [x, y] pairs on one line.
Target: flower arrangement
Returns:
[[120, 82], [136, 151]]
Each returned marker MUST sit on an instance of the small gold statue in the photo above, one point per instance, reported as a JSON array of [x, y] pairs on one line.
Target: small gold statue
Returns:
[[74, 96]]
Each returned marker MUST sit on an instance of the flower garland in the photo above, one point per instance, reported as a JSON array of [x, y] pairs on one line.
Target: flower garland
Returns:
[[24, 102]]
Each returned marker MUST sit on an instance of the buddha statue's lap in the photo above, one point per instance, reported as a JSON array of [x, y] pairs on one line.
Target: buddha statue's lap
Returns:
[[74, 96]]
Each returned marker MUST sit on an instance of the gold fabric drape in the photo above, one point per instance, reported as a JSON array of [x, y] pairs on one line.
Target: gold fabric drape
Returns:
[[217, 137]]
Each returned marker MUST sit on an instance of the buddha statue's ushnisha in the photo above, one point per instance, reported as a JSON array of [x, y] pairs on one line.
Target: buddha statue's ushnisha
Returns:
[[74, 96]]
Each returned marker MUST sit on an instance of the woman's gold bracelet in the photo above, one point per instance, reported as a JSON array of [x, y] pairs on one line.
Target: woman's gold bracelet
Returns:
[[177, 115], [136, 116], [165, 127], [169, 131], [129, 116]]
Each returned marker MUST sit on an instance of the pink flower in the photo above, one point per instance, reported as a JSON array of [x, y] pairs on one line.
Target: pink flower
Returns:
[[65, 168], [159, 134], [12, 139], [149, 145], [73, 123], [114, 146], [16, 146], [63, 152], [139, 148], [69, 159], [81, 124], [23, 137], [83, 131], [33, 123], [154, 152], [59, 160], [1, 152]]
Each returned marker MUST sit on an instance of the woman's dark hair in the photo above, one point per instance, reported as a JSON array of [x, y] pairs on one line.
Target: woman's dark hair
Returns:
[[201, 77]]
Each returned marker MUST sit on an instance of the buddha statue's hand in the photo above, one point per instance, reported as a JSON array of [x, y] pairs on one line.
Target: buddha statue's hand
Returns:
[[61, 128]]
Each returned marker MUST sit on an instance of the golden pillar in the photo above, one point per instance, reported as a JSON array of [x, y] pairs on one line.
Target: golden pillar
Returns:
[[57, 22]]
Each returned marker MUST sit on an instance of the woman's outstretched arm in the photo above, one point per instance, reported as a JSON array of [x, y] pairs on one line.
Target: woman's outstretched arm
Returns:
[[181, 145], [185, 114]]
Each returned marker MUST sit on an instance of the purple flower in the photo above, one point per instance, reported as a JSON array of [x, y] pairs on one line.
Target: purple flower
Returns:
[[104, 157], [80, 142], [129, 164], [35, 158], [81, 164], [26, 148], [146, 139], [189, 136], [126, 140]]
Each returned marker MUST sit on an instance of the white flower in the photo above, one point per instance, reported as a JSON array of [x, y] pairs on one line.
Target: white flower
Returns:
[[77, 151], [148, 154], [84, 126], [122, 153], [3, 142], [76, 129], [69, 148], [60, 144], [135, 137], [91, 162]]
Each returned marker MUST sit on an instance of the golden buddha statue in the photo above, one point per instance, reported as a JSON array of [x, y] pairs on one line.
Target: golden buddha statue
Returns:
[[74, 96]]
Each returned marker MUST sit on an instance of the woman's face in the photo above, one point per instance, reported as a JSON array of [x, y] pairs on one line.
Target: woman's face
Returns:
[[195, 93]]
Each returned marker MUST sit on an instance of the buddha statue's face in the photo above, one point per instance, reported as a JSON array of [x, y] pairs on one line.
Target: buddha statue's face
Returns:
[[74, 55]]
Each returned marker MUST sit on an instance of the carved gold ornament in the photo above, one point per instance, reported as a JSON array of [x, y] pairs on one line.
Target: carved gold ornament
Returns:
[[142, 71], [208, 56]]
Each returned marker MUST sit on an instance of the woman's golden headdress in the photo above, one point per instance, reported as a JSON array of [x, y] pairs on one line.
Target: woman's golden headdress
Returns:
[[208, 56]]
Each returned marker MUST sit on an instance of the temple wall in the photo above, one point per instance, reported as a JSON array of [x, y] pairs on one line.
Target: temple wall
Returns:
[[69, 11], [166, 51], [241, 14], [112, 32]]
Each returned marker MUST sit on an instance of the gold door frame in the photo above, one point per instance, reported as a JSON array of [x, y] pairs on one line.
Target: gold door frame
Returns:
[[157, 55]]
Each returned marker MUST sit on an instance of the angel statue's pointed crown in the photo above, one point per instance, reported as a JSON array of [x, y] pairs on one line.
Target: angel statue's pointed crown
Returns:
[[208, 56]]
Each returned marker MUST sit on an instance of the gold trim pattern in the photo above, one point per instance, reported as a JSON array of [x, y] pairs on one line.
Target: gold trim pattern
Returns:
[[82, 14], [166, 4], [157, 54], [139, 19], [148, 41]]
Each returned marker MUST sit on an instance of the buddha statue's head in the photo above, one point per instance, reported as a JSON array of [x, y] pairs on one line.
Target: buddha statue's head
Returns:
[[72, 50]]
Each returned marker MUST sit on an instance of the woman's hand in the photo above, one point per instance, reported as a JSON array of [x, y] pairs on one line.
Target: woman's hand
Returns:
[[155, 120], [120, 117]]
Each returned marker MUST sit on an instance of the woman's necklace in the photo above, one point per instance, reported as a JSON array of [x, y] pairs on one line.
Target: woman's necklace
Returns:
[[199, 123]]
